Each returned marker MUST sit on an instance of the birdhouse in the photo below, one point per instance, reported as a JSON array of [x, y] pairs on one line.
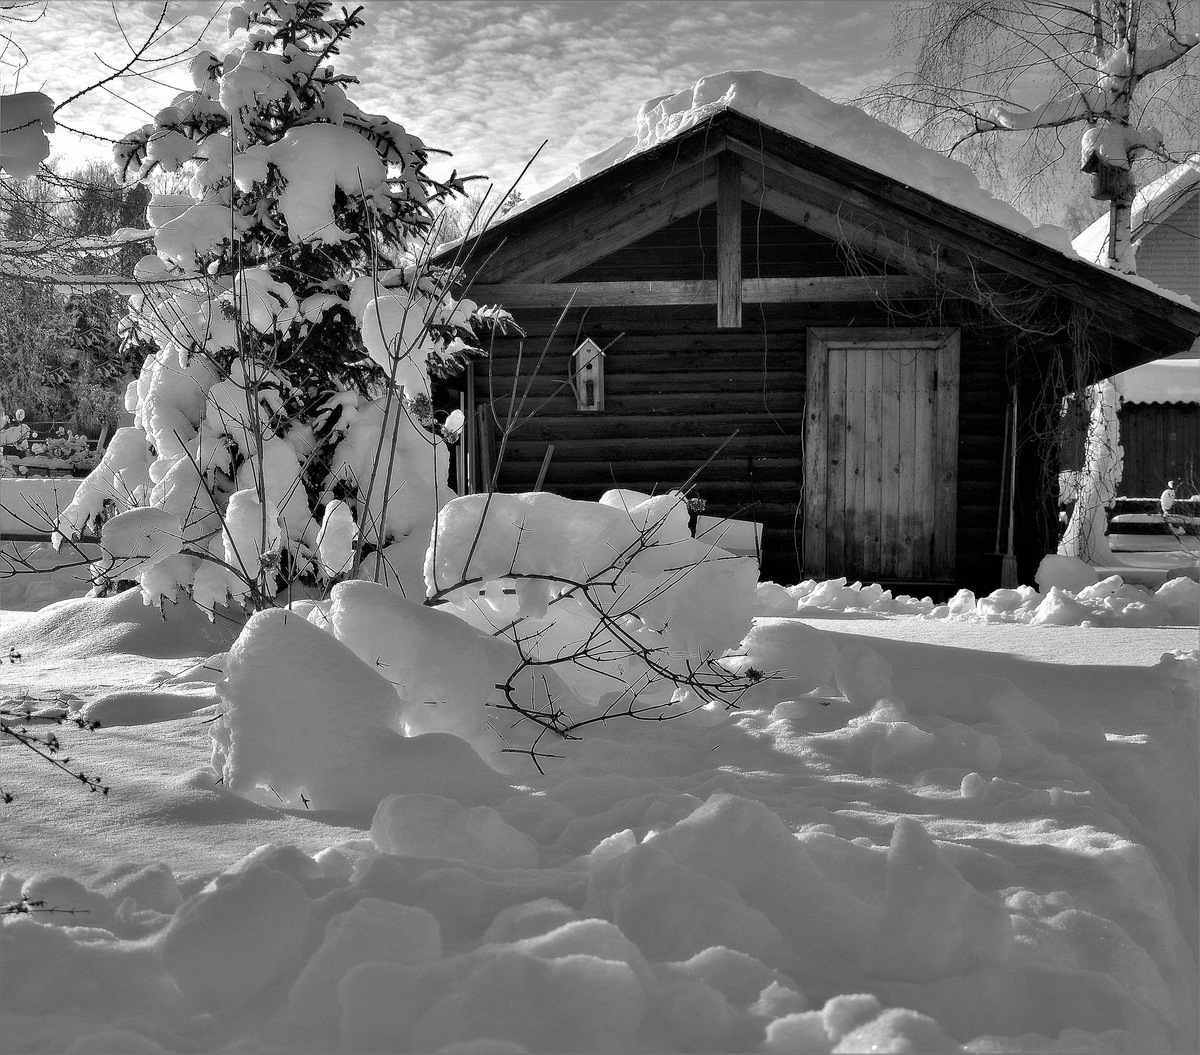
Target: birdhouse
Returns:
[[1109, 182], [587, 376]]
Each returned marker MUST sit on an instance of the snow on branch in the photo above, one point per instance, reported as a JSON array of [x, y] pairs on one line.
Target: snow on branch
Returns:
[[24, 142], [1053, 113], [1151, 60]]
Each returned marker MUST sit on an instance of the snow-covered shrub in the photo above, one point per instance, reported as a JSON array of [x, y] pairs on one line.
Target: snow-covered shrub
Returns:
[[296, 328], [615, 598]]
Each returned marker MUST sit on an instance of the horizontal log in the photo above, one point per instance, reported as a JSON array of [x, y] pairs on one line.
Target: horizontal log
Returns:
[[657, 354], [836, 288], [767, 471], [703, 380], [665, 429], [690, 319]]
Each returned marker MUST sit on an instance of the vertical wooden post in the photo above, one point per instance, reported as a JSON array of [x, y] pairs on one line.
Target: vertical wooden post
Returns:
[[1036, 495], [729, 242], [468, 442]]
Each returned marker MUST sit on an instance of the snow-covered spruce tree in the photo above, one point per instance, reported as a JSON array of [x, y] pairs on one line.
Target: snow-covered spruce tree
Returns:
[[283, 426]]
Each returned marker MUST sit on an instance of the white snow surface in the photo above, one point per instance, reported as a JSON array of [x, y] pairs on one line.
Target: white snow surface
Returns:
[[1163, 381], [965, 827]]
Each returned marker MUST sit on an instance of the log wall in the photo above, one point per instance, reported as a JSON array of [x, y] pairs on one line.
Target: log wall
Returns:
[[1162, 442], [720, 409]]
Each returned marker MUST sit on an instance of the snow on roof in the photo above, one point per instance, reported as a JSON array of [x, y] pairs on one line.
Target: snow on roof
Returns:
[[1163, 381], [798, 111], [1152, 204]]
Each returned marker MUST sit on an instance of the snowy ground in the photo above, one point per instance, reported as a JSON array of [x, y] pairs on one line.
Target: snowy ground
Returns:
[[991, 826]]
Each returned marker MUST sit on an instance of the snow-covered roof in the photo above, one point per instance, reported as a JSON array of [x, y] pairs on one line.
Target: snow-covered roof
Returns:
[[847, 131], [1152, 204], [1163, 381], [798, 111]]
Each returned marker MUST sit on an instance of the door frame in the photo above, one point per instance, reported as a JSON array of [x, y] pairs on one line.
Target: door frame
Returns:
[[944, 342]]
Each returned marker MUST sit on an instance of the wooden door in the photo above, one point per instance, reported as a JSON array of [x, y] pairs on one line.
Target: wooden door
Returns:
[[881, 453]]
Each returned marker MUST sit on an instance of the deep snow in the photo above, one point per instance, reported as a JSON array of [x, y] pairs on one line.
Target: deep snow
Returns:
[[944, 828]]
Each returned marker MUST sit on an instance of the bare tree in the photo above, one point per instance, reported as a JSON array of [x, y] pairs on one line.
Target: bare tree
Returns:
[[470, 215], [1123, 75]]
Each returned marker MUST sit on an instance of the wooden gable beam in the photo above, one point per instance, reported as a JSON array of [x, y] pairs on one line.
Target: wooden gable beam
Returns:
[[835, 288], [879, 215], [602, 224], [853, 228], [729, 242], [864, 220]]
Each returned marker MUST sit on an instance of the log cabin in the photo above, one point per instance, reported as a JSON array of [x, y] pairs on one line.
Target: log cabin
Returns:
[[800, 340]]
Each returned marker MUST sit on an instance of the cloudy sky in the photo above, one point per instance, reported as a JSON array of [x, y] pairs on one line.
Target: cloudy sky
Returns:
[[488, 80]]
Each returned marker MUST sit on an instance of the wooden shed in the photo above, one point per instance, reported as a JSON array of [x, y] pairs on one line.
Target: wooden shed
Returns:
[[803, 341]]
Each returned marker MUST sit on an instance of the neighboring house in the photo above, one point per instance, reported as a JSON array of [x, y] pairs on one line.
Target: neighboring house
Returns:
[[1160, 427], [807, 317], [1166, 231], [1160, 408]]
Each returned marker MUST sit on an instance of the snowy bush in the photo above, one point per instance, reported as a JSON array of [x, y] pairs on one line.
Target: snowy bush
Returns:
[[615, 598], [285, 417]]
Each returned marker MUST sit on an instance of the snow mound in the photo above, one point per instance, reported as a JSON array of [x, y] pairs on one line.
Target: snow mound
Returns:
[[304, 721], [443, 670], [724, 931], [797, 657], [433, 826], [1074, 596]]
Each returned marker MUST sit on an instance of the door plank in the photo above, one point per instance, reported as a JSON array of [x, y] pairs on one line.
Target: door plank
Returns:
[[892, 396], [907, 459], [945, 459], [836, 488], [816, 455], [921, 511], [856, 460], [872, 436]]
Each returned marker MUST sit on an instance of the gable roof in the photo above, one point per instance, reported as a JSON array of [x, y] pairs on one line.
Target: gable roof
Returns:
[[1152, 205], [917, 216], [791, 107]]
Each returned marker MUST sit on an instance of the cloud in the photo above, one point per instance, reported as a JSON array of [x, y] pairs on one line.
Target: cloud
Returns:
[[488, 80]]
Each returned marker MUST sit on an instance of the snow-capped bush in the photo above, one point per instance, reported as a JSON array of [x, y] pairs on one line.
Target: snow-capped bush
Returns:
[[293, 328], [614, 597]]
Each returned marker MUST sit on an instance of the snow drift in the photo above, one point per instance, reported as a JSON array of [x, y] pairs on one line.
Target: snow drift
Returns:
[[885, 846]]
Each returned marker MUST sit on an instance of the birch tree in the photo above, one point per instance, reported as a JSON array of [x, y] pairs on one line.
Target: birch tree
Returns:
[[1018, 88], [1110, 82]]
